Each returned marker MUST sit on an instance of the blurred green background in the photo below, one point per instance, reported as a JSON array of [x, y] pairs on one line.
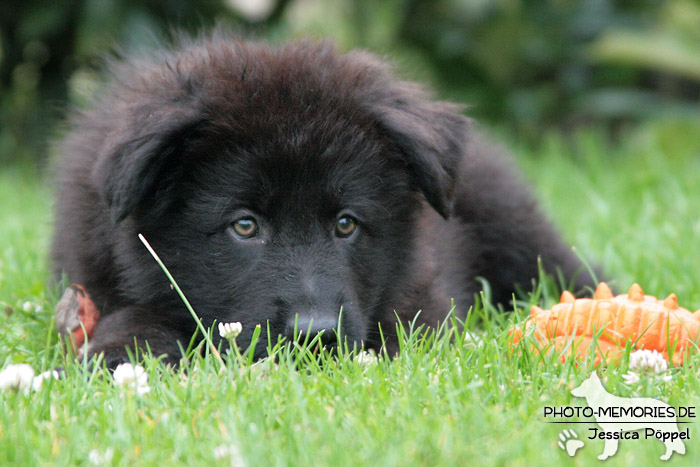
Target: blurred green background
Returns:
[[526, 66]]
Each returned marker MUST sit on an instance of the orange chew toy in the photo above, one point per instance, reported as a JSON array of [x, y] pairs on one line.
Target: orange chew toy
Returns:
[[642, 320]]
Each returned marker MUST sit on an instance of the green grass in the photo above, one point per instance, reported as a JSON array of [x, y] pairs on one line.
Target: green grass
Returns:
[[632, 207]]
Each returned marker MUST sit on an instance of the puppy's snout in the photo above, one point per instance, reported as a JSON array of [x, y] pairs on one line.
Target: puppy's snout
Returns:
[[303, 325]]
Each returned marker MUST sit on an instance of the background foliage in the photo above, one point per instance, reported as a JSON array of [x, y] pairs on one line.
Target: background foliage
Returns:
[[529, 63]]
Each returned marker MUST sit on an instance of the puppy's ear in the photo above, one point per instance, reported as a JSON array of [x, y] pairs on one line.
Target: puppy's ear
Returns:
[[432, 137], [133, 158]]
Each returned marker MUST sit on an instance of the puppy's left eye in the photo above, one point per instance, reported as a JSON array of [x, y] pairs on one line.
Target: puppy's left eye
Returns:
[[345, 227], [245, 228]]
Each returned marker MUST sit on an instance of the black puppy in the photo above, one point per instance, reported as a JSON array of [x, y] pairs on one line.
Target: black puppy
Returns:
[[282, 185]]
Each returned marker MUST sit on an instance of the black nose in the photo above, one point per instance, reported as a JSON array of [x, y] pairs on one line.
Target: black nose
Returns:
[[309, 325]]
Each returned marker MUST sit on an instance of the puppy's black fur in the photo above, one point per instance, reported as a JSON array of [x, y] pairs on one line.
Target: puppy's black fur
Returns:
[[294, 138]]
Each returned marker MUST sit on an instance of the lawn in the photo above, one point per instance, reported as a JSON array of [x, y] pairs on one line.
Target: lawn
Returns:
[[632, 207]]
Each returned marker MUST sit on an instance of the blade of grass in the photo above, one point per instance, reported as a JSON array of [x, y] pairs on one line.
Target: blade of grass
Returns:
[[201, 327]]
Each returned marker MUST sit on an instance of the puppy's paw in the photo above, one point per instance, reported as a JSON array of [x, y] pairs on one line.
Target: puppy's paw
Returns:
[[113, 362], [109, 358]]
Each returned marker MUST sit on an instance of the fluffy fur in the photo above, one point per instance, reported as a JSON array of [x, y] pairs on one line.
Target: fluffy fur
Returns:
[[182, 144]]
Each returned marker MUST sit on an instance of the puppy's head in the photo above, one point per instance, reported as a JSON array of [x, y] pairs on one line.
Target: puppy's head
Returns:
[[280, 186]]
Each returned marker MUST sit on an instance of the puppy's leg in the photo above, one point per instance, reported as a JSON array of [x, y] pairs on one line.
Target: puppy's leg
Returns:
[[507, 231], [129, 327]]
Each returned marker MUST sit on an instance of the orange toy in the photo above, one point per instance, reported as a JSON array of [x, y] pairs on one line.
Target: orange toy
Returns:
[[642, 320]]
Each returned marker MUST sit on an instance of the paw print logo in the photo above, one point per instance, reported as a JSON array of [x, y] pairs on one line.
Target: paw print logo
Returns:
[[569, 442]]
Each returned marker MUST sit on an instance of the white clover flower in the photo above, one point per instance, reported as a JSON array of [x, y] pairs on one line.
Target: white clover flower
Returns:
[[231, 451], [31, 307], [17, 377], [365, 358], [132, 376], [472, 340], [647, 361], [631, 378], [434, 379], [230, 330], [95, 457], [39, 380]]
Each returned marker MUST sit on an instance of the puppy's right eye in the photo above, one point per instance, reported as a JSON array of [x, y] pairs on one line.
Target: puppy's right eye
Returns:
[[345, 227], [245, 227]]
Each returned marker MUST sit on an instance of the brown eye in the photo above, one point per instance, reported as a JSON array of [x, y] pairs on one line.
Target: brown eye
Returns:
[[345, 226], [245, 227]]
